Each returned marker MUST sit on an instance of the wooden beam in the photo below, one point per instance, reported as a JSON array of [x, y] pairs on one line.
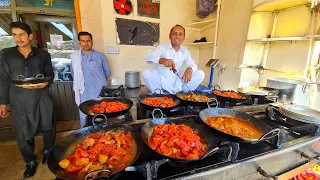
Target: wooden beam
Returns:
[[78, 15]]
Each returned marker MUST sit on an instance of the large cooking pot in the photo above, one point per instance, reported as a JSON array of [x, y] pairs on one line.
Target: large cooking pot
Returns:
[[67, 145], [266, 130], [86, 107], [208, 136], [158, 93], [180, 95], [291, 91]]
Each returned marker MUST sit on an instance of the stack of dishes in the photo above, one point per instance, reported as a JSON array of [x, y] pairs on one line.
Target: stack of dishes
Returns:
[[301, 113], [132, 79]]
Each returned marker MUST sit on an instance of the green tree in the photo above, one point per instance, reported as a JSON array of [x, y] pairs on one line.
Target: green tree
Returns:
[[6, 41]]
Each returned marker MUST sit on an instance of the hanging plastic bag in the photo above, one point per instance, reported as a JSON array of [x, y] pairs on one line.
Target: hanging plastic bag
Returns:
[[205, 7]]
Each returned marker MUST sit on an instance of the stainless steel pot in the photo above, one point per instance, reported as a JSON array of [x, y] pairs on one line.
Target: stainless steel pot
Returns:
[[291, 91]]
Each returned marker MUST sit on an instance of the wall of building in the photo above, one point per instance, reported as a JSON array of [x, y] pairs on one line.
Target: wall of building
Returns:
[[232, 34], [99, 16], [290, 56]]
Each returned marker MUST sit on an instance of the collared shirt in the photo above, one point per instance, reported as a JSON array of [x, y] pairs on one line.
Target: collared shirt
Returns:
[[168, 52], [96, 71], [95, 67]]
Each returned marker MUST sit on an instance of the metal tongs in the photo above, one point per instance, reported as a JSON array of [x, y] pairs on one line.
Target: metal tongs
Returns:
[[175, 71]]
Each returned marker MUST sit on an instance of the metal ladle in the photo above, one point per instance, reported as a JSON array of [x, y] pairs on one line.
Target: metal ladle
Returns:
[[175, 71]]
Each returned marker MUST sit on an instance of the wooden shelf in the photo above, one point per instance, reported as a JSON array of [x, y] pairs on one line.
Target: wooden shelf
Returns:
[[300, 38], [278, 5], [197, 44], [200, 24]]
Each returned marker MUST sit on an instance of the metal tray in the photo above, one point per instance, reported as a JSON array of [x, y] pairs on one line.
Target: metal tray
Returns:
[[301, 113], [21, 80]]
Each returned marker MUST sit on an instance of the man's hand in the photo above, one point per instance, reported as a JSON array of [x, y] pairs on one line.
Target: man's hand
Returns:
[[187, 75], [167, 63], [3, 111]]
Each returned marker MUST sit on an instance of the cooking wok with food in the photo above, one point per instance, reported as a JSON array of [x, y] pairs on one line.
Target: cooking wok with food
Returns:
[[179, 139], [237, 126], [110, 107], [196, 98], [105, 150], [228, 95], [158, 100], [259, 93]]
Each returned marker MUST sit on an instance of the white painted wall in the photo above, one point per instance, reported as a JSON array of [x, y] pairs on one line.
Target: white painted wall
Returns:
[[260, 25], [232, 34], [291, 57], [293, 22]]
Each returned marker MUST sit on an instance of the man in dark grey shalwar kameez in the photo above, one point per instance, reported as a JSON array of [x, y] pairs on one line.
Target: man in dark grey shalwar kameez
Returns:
[[32, 109]]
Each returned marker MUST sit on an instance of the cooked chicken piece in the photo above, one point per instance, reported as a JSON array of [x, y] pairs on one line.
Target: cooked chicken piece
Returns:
[[110, 142], [64, 163], [95, 167], [103, 158], [89, 142], [82, 162], [85, 169]]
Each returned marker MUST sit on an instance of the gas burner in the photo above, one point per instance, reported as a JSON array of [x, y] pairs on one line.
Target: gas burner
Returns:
[[113, 92], [150, 170], [177, 164], [119, 119], [227, 104], [228, 151], [194, 110], [144, 113]]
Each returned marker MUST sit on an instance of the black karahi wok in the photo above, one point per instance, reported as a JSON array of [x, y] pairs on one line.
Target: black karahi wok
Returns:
[[163, 106], [223, 99], [259, 93], [86, 107], [67, 146], [266, 130], [207, 135], [193, 103]]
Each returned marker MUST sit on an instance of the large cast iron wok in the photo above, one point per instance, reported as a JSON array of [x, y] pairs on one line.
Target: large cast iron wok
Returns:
[[266, 130], [163, 106], [86, 107], [223, 99], [259, 93], [193, 103], [147, 132], [67, 145]]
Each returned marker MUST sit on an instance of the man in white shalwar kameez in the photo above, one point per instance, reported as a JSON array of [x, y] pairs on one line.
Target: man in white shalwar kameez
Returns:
[[169, 57]]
